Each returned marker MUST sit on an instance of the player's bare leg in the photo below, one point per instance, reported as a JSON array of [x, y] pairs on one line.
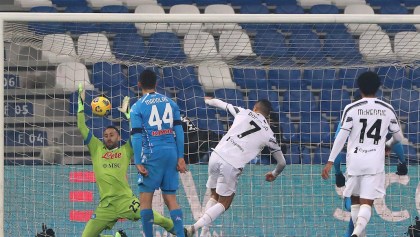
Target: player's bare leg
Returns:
[[205, 231], [364, 213]]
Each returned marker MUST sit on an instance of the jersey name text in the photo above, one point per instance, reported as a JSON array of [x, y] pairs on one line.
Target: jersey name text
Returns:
[[374, 112]]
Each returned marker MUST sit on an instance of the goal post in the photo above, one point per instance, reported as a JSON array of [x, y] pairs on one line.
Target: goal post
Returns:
[[306, 65]]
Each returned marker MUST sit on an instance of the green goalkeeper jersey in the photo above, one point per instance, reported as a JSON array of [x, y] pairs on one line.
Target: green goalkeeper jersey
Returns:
[[110, 166]]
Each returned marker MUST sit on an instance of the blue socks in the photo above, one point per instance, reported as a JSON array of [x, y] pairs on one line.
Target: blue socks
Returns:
[[176, 216], [399, 150], [147, 222]]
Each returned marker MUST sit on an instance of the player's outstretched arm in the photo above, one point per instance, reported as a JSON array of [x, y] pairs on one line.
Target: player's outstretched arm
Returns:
[[223, 105], [81, 123]]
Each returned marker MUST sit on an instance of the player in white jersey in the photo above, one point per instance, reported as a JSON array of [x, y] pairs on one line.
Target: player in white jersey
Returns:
[[248, 135], [366, 123]]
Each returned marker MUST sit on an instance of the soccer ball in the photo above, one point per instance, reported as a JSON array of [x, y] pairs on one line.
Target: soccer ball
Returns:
[[101, 106]]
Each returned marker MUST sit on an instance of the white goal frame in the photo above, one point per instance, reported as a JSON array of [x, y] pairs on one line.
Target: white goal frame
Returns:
[[173, 18]]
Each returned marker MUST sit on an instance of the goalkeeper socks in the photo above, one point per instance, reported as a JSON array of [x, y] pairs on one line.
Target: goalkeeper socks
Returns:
[[164, 222], [211, 202], [399, 151], [354, 211], [362, 219], [176, 216], [147, 222], [210, 215], [350, 228]]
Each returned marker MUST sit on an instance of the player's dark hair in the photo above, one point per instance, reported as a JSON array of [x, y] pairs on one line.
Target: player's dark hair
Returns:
[[368, 83], [264, 106], [147, 79], [113, 127]]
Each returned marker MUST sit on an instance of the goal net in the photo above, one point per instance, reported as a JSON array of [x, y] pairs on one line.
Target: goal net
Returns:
[[307, 71]]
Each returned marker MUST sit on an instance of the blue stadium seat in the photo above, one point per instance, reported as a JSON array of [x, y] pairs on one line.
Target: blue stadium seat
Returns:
[[283, 2], [89, 96], [42, 28], [129, 46], [412, 131], [411, 153], [287, 129], [292, 154], [170, 3], [210, 2], [333, 101], [349, 76], [245, 2], [165, 46], [81, 28], [321, 78], [395, 9], [296, 101], [285, 78], [289, 9], [190, 98], [256, 9], [411, 3], [305, 45], [321, 155], [97, 125], [414, 76], [231, 96], [272, 96], [270, 44], [292, 9], [383, 2], [305, 155], [69, 3], [117, 27], [405, 101], [134, 72], [213, 125], [391, 77], [250, 78], [327, 9], [315, 130], [341, 46], [106, 76], [180, 77], [124, 131], [116, 96], [25, 138]]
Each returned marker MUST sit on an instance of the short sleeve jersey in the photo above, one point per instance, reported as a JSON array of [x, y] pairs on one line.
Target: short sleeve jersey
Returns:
[[110, 168], [369, 120], [155, 115], [248, 135]]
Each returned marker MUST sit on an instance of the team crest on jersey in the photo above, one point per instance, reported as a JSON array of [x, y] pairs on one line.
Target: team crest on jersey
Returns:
[[93, 216], [111, 155]]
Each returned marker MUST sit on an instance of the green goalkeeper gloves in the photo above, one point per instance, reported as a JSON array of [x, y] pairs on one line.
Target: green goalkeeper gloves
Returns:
[[125, 107], [81, 99]]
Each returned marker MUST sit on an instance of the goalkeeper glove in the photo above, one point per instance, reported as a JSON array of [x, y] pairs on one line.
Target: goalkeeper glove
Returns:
[[125, 107], [402, 169], [340, 181], [80, 99]]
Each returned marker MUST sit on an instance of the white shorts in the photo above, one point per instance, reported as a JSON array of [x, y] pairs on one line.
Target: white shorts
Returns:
[[222, 176], [370, 186]]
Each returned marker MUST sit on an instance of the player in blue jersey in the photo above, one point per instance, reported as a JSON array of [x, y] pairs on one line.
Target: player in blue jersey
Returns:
[[158, 154]]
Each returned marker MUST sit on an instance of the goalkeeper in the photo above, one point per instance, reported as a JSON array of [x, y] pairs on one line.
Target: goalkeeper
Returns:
[[340, 179], [110, 163]]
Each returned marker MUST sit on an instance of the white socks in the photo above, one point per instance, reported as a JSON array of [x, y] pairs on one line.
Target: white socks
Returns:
[[363, 218], [205, 230], [209, 216], [354, 211]]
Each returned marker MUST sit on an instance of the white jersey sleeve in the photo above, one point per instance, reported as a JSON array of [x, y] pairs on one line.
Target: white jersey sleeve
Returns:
[[234, 110]]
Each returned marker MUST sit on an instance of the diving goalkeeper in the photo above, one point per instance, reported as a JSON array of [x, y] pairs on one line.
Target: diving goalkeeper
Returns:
[[110, 163]]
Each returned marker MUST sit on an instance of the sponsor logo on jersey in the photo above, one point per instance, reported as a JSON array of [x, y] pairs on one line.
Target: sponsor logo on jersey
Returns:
[[162, 132], [358, 149], [109, 155], [112, 165]]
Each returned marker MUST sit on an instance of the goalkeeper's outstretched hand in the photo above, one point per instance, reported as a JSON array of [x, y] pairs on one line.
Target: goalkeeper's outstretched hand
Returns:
[[340, 180], [402, 169], [80, 99], [125, 107]]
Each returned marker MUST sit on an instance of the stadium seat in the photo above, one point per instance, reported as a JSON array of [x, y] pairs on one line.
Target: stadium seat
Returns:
[[146, 29], [94, 47], [97, 125], [134, 71], [33, 3], [70, 74], [310, 3], [292, 154], [245, 2], [414, 76], [191, 102], [360, 28], [405, 101], [285, 78], [231, 96], [382, 3], [341, 46], [129, 46], [277, 2], [256, 9], [184, 28], [89, 96], [315, 131], [214, 75], [210, 2], [321, 155], [287, 129], [102, 3], [350, 75], [42, 28], [299, 100], [412, 128], [234, 44], [117, 27], [78, 27], [407, 46], [393, 77], [345, 3], [170, 3], [258, 94], [124, 130], [116, 96], [135, 3], [165, 46], [327, 9], [270, 45], [68, 3], [58, 48], [219, 27], [395, 28], [411, 3], [332, 102], [200, 46], [321, 78], [292, 28], [375, 46], [107, 76], [250, 78], [180, 77], [305, 46], [213, 125]]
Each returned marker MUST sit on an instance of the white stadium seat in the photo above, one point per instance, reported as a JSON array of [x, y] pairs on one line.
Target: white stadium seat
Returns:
[[94, 47], [33, 3], [135, 3], [407, 45], [146, 29], [184, 28], [70, 74], [101, 3], [375, 46], [220, 9], [360, 28], [345, 3], [58, 48], [234, 44], [200, 46], [215, 75], [310, 3]]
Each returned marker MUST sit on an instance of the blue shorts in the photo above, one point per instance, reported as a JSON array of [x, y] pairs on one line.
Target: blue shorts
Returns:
[[161, 165]]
